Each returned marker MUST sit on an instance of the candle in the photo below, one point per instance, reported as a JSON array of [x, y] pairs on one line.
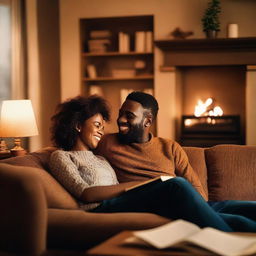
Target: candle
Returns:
[[232, 30]]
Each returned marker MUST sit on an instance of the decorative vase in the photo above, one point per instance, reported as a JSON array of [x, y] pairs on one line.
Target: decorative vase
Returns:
[[211, 33], [232, 31]]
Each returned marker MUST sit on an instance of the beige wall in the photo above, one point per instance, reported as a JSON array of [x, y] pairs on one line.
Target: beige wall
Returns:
[[168, 14], [43, 64], [251, 105], [33, 68], [49, 62]]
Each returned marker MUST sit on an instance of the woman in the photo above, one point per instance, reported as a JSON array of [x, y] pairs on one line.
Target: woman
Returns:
[[77, 128]]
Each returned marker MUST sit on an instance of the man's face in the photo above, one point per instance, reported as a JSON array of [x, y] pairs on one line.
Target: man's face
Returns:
[[130, 122]]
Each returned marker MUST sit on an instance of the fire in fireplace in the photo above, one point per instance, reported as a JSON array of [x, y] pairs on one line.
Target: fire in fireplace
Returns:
[[207, 108], [208, 126]]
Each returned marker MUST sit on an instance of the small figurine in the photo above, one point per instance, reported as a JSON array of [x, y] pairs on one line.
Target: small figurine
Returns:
[[177, 33]]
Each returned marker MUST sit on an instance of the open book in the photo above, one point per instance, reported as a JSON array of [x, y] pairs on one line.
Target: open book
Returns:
[[183, 234], [156, 179]]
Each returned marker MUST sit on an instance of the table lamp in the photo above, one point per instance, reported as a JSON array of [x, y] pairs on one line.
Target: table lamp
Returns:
[[17, 120]]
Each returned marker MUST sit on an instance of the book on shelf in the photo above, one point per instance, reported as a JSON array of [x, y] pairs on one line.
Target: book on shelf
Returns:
[[143, 41], [139, 64], [126, 43], [156, 179], [120, 41], [95, 34], [149, 41], [182, 234], [123, 73], [95, 89], [140, 41], [91, 71], [123, 42], [124, 93], [98, 45]]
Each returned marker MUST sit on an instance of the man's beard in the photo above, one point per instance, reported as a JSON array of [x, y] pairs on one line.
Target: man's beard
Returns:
[[134, 135]]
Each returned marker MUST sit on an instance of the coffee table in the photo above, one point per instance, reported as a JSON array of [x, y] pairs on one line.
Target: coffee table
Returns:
[[115, 247]]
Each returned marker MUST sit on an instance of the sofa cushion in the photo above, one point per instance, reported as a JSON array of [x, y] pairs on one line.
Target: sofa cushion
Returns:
[[56, 194], [231, 172], [38, 159], [197, 160]]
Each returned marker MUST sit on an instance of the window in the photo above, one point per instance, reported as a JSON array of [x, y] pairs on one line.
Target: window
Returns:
[[5, 50]]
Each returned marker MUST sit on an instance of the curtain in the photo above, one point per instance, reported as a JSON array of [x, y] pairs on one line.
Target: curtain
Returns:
[[18, 77], [5, 50]]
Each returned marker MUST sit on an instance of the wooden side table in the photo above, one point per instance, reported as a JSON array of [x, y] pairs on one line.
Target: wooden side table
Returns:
[[8, 154], [5, 154], [18, 152]]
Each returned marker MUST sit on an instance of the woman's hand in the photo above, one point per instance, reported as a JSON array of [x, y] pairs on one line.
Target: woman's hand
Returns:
[[100, 193]]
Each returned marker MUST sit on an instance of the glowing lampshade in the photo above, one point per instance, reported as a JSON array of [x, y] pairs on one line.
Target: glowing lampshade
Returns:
[[17, 120]]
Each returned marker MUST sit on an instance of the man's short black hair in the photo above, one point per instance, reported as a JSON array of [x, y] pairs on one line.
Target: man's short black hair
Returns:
[[146, 100]]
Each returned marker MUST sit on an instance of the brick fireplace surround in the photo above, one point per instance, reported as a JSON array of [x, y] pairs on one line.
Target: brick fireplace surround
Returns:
[[229, 55]]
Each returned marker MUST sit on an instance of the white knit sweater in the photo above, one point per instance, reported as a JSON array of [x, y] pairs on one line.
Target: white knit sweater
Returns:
[[77, 170]]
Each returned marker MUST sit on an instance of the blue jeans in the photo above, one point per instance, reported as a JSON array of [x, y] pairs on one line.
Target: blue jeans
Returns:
[[175, 199], [240, 215]]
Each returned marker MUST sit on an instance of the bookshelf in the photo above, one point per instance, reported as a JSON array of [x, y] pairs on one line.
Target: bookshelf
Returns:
[[88, 54], [142, 77], [117, 57]]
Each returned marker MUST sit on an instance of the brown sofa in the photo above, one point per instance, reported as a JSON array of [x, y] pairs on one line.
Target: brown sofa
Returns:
[[226, 172]]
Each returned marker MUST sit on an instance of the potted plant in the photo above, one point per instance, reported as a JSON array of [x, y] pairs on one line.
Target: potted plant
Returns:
[[210, 20]]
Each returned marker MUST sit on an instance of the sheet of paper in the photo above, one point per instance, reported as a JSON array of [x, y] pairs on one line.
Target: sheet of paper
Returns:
[[221, 242], [167, 235], [185, 234]]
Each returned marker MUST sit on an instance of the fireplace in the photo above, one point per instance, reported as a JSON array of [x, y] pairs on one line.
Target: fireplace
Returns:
[[209, 126], [207, 131], [223, 69], [213, 91]]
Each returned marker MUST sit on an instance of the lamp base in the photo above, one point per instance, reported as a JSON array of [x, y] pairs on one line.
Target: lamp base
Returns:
[[3, 147], [17, 150]]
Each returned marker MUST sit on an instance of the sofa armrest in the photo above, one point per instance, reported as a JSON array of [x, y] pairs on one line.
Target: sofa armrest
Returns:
[[57, 196], [80, 230], [23, 216]]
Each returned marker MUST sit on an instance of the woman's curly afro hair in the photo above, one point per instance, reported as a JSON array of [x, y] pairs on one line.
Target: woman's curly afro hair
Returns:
[[74, 112]]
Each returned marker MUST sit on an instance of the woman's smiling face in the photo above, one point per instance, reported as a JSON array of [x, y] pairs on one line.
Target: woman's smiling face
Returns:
[[91, 131]]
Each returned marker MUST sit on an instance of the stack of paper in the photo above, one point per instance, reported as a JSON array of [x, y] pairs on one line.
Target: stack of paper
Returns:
[[183, 234]]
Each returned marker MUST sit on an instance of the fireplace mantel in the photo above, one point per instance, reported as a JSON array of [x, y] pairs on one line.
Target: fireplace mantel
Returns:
[[222, 61], [206, 52]]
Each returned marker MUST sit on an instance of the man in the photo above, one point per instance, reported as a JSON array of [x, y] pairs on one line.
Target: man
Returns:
[[135, 154]]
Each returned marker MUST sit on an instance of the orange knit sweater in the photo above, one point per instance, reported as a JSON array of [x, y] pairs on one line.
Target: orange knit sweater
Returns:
[[140, 161]]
